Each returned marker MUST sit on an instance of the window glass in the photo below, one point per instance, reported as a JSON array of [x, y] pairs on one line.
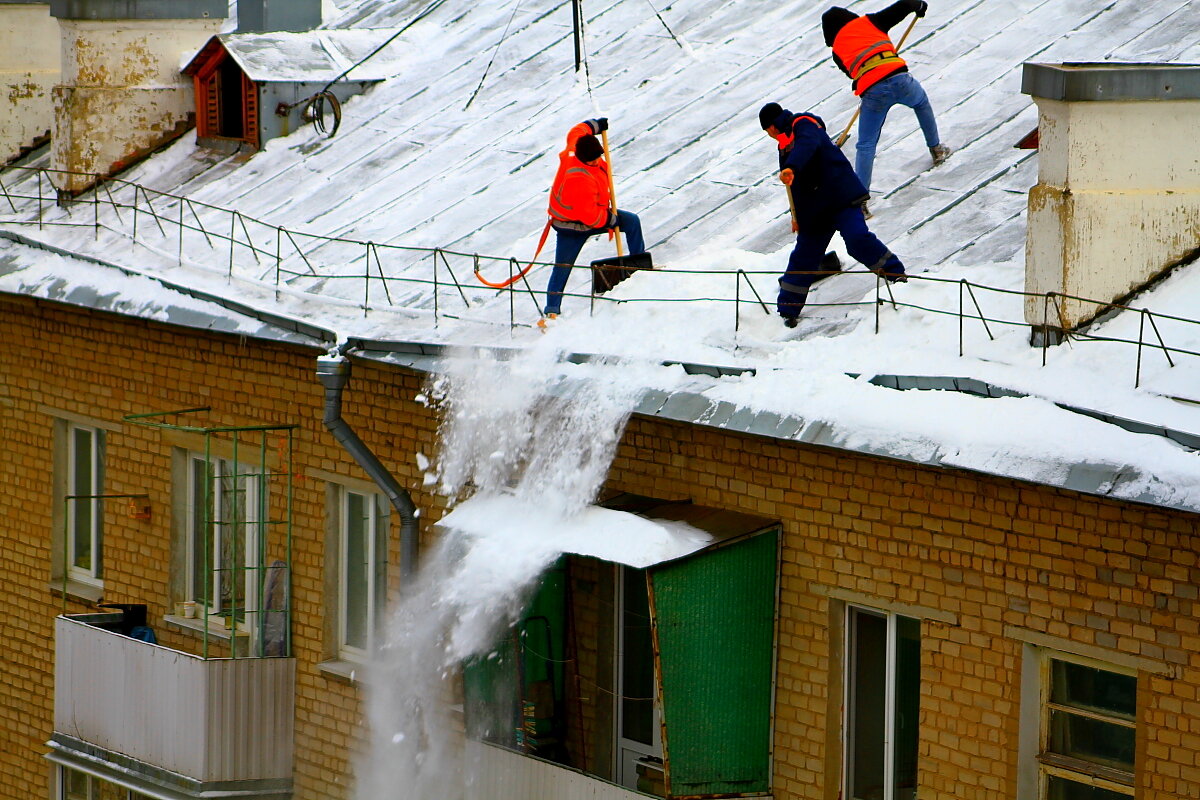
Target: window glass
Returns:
[[201, 555], [1091, 689], [357, 571], [868, 717], [82, 484], [226, 529], [362, 570], [637, 664], [908, 707], [75, 784], [1089, 720], [883, 688], [84, 511], [1091, 740]]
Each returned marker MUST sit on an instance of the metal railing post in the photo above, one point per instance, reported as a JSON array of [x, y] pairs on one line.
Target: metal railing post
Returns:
[[961, 281], [96, 207], [878, 302], [278, 258], [39, 185], [181, 231], [1045, 326], [437, 287], [1137, 375], [367, 281], [232, 238], [737, 302]]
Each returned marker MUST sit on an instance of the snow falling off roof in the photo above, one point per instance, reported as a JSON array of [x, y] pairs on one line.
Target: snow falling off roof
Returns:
[[315, 56]]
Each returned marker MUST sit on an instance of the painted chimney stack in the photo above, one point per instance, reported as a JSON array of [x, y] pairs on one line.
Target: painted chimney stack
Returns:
[[28, 72], [269, 16], [122, 94], [1117, 202]]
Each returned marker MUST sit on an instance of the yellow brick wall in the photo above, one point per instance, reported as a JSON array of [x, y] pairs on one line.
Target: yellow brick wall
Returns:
[[993, 552], [104, 367], [989, 551]]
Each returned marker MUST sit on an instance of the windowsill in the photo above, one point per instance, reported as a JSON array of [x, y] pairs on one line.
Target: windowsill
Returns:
[[342, 671], [197, 625], [78, 590]]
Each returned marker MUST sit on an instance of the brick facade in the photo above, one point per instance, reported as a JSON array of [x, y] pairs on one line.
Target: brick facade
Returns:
[[982, 558]]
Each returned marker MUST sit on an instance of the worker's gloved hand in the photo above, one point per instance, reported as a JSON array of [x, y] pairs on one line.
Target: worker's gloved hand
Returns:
[[612, 220], [598, 125], [920, 7], [786, 177]]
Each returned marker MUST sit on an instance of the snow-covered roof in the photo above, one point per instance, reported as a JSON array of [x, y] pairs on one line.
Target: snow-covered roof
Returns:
[[318, 56], [457, 151]]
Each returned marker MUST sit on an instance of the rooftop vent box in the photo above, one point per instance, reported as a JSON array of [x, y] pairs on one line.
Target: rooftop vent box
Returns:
[[261, 16]]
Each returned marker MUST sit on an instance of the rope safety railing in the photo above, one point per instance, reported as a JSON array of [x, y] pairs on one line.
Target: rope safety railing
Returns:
[[297, 256]]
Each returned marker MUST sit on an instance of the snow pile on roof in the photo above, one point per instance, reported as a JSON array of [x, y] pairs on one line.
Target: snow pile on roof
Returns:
[[316, 56], [457, 150]]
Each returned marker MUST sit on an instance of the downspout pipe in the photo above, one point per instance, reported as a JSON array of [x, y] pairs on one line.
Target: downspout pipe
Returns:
[[334, 374]]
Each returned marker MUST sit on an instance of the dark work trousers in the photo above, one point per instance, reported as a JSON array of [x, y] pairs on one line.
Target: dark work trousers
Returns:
[[804, 264], [567, 245]]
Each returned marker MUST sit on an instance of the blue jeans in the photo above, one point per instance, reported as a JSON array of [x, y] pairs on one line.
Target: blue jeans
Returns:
[[902, 89], [811, 241], [567, 245]]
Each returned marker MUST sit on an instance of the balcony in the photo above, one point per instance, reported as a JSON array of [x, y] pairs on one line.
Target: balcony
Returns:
[[167, 723], [500, 774]]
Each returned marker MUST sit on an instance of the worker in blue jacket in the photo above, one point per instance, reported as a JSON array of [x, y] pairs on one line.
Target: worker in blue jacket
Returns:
[[828, 197]]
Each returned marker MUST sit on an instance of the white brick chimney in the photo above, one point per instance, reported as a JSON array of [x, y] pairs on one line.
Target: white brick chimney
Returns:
[[1117, 200], [28, 72], [122, 93]]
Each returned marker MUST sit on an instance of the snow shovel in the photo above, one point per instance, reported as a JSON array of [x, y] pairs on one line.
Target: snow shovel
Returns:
[[608, 272]]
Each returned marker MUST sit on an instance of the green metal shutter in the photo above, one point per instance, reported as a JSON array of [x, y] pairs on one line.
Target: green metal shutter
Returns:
[[714, 624]]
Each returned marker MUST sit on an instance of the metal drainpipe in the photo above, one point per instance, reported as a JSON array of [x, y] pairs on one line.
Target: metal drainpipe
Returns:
[[334, 374]]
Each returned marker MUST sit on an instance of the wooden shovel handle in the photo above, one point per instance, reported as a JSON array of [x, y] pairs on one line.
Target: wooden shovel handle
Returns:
[[612, 191]]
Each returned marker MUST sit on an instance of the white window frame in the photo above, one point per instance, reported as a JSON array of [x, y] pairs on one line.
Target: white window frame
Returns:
[[891, 619], [95, 455], [376, 571], [252, 534], [1060, 766]]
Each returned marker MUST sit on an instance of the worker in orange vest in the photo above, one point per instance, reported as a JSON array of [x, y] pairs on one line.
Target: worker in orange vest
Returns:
[[580, 206], [862, 50]]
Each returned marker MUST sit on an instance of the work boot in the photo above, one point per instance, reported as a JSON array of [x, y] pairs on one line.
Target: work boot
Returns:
[[940, 153], [791, 322]]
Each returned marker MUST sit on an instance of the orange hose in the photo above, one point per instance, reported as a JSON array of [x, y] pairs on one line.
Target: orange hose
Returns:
[[522, 273]]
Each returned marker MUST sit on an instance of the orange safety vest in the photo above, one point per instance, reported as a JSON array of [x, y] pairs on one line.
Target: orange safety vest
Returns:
[[866, 52], [579, 193]]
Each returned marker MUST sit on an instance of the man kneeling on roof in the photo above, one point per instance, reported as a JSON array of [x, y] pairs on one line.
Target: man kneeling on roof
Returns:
[[827, 196], [580, 206]]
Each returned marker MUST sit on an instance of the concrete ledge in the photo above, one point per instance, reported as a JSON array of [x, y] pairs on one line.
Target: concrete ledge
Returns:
[[1074, 82], [139, 9]]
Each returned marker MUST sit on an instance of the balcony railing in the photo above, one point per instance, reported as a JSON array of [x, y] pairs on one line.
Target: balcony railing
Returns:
[[501, 774], [172, 716]]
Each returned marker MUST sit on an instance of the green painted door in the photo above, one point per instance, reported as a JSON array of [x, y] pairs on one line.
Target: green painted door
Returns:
[[714, 616]]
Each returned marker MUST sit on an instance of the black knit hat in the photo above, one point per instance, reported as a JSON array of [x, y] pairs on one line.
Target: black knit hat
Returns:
[[587, 148], [768, 114]]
